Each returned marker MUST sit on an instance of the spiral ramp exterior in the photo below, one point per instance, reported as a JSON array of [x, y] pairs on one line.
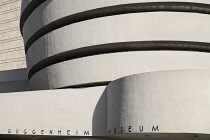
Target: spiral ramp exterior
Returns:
[[113, 69], [69, 44]]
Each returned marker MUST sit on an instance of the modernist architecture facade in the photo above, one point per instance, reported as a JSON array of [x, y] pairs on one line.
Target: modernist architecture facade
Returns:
[[101, 69]]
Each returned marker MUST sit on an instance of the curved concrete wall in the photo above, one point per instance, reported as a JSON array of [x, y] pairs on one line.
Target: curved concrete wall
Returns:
[[163, 102], [108, 67], [55, 10], [62, 37], [122, 28]]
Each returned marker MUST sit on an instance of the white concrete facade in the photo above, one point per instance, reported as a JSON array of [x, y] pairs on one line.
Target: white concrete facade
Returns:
[[122, 69], [168, 103], [68, 37], [171, 101]]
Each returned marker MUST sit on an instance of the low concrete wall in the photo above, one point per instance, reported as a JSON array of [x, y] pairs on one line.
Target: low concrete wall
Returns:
[[78, 112], [160, 102]]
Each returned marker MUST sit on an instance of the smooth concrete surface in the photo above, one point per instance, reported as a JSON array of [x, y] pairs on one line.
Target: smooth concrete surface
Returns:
[[13, 86], [13, 80], [52, 10], [150, 26], [12, 54], [74, 112], [13, 75], [121, 28], [108, 67], [160, 102]]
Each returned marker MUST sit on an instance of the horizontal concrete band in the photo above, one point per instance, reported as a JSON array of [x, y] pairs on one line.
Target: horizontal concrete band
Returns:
[[13, 75], [98, 69], [160, 102], [38, 32], [13, 80], [13, 86], [114, 48]]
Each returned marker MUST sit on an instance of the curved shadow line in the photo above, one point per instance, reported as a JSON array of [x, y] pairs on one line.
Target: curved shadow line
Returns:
[[118, 10], [119, 47], [86, 85], [27, 12]]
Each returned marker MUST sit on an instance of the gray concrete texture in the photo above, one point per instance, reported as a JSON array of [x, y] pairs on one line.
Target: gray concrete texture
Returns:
[[13, 80]]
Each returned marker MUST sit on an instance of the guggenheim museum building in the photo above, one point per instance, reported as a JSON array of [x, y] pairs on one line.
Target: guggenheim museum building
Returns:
[[105, 69]]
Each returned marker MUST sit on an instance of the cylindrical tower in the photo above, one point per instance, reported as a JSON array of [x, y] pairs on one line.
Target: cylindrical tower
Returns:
[[82, 43]]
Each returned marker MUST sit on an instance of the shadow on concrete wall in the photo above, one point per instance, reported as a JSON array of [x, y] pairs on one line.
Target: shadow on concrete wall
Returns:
[[99, 122]]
